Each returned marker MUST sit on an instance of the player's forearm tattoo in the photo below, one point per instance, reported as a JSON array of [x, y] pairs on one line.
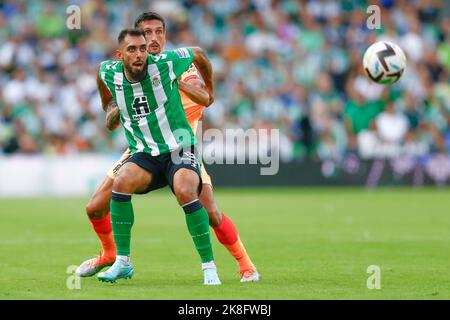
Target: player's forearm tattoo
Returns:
[[112, 115]]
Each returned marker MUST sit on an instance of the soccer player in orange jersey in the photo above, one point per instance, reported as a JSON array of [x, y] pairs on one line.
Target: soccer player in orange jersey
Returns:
[[195, 97]]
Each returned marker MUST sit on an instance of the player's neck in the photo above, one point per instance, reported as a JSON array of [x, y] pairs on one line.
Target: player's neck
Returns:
[[135, 77]]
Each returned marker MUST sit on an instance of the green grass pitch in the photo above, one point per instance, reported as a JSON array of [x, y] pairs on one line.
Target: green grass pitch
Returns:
[[307, 243]]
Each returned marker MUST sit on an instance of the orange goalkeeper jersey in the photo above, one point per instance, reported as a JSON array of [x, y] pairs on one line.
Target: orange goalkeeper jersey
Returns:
[[193, 110]]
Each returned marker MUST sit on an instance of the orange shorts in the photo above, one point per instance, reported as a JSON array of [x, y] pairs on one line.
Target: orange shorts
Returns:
[[112, 173], [206, 179]]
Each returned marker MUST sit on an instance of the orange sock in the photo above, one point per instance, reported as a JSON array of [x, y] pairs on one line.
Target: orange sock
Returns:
[[238, 251], [227, 235], [108, 245], [103, 229]]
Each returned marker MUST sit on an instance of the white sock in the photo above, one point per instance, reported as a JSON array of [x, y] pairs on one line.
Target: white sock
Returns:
[[125, 259], [209, 265]]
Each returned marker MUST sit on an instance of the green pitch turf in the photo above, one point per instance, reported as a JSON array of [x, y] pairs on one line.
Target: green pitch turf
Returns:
[[306, 243]]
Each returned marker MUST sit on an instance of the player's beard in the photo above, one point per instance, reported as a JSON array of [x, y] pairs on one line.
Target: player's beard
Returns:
[[136, 76]]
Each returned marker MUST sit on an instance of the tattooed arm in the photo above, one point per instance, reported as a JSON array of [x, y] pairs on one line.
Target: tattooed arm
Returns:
[[112, 116], [109, 106]]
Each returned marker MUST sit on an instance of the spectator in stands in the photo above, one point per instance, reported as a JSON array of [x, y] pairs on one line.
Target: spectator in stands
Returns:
[[291, 65]]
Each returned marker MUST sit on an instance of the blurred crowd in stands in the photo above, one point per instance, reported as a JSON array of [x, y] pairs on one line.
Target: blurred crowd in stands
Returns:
[[288, 65]]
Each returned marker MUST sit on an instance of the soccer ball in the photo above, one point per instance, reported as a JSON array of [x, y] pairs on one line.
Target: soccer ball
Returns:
[[384, 62]]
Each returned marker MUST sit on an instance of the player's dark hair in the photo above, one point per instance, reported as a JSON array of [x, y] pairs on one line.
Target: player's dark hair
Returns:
[[149, 16], [131, 32]]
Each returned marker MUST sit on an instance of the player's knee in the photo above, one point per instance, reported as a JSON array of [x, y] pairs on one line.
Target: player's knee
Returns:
[[98, 206], [90, 209], [95, 210], [122, 184], [185, 193], [185, 186]]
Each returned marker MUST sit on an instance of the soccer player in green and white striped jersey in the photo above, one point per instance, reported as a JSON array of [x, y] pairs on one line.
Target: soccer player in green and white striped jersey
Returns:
[[150, 109], [145, 89]]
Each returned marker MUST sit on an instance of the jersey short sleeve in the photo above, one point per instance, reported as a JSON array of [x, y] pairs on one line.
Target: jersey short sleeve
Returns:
[[102, 70], [181, 59], [108, 66]]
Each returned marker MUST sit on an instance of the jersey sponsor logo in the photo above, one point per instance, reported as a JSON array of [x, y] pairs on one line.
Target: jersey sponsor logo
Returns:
[[119, 87], [140, 107], [182, 53]]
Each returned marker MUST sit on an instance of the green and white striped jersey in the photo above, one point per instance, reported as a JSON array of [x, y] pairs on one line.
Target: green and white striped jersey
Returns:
[[151, 111]]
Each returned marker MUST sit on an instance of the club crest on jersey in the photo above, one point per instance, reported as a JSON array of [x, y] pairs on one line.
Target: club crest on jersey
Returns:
[[156, 81]]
